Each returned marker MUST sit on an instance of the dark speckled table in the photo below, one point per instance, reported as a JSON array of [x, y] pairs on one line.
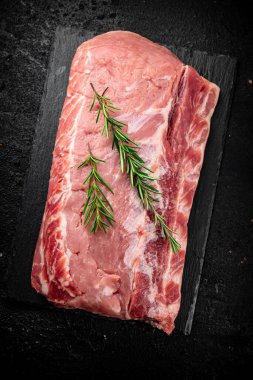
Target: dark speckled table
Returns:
[[53, 341]]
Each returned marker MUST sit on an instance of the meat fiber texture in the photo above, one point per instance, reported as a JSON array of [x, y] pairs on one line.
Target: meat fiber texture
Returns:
[[130, 272]]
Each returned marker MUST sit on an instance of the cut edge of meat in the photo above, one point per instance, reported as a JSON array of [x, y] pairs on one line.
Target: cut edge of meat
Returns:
[[207, 94], [208, 104]]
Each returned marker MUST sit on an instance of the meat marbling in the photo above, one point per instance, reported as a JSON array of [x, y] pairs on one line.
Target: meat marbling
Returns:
[[131, 272]]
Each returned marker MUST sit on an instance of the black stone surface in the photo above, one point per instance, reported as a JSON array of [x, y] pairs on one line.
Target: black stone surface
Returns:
[[218, 69], [52, 342]]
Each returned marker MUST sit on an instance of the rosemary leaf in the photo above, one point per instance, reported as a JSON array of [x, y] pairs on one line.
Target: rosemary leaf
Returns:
[[96, 207]]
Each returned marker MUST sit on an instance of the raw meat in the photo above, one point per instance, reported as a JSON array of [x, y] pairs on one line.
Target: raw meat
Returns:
[[131, 272]]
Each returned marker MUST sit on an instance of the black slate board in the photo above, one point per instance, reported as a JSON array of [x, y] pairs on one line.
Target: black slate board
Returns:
[[219, 69]]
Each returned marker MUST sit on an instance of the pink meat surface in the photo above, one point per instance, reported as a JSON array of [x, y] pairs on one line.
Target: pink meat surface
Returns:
[[131, 272]]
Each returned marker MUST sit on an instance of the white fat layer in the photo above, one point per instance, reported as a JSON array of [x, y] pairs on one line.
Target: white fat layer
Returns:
[[108, 291], [88, 57], [116, 308], [55, 198], [74, 101], [71, 163], [68, 251], [41, 250], [44, 287], [202, 109], [166, 77], [131, 87], [138, 122]]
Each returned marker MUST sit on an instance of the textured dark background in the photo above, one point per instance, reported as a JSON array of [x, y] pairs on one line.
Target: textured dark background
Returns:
[[53, 341]]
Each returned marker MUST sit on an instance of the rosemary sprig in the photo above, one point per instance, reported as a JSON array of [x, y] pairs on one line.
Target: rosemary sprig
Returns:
[[97, 209], [132, 163]]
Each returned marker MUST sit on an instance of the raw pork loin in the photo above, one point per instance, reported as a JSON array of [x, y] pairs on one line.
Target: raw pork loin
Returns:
[[131, 272]]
